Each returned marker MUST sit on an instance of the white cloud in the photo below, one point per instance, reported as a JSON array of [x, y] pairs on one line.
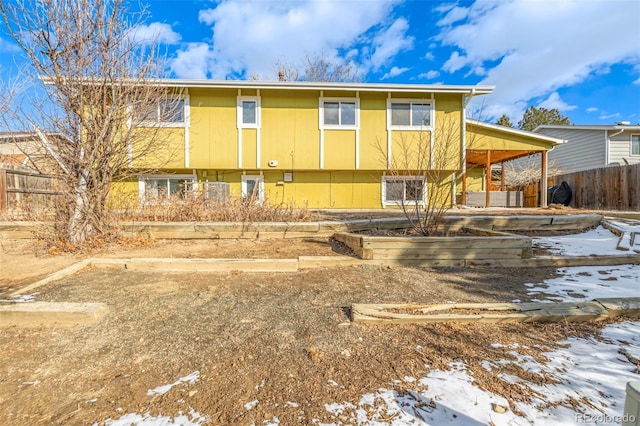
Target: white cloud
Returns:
[[592, 109], [636, 81], [530, 49], [391, 41], [155, 32], [192, 62], [454, 15], [394, 72], [250, 35], [454, 63], [554, 101], [429, 56], [606, 116], [430, 75]]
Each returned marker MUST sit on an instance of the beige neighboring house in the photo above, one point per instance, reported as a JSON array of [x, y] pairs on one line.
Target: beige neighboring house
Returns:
[[23, 150], [593, 146]]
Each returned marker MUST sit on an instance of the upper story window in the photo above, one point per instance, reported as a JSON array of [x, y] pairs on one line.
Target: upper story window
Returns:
[[168, 112], [415, 114], [635, 144], [248, 112], [339, 113]]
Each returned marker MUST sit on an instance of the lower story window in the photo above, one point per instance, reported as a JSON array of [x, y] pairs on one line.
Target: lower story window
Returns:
[[635, 144], [402, 190], [253, 188], [154, 188]]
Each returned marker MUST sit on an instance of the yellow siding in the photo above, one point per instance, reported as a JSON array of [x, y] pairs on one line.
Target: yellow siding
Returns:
[[213, 137], [410, 149], [448, 132], [249, 148], [317, 189], [355, 190], [340, 149], [475, 179], [123, 195], [170, 156], [373, 131], [289, 133]]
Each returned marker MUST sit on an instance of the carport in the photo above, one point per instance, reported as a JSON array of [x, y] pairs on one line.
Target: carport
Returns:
[[489, 144]]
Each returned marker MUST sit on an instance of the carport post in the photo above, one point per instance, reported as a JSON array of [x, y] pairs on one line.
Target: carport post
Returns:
[[487, 191], [543, 180]]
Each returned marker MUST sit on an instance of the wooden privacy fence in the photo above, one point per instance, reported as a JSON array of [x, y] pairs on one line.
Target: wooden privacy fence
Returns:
[[607, 188], [26, 190]]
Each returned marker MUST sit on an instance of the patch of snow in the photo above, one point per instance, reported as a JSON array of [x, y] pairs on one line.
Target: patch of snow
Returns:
[[189, 379], [291, 404], [599, 241], [273, 422], [332, 382], [132, 419], [590, 375], [251, 405], [583, 283], [21, 298], [35, 382]]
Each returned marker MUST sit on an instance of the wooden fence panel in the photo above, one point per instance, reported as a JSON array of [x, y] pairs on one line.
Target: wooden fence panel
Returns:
[[3, 191], [609, 188], [22, 190]]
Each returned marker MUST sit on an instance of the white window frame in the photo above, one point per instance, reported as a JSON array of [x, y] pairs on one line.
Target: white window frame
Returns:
[[259, 181], [405, 202], [637, 135], [142, 185], [240, 123], [432, 114], [355, 101], [158, 123]]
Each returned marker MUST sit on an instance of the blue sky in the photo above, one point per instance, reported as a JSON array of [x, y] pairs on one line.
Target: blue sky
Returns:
[[580, 56]]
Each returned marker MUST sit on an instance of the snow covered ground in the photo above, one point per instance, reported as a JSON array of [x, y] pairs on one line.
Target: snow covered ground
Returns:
[[592, 373]]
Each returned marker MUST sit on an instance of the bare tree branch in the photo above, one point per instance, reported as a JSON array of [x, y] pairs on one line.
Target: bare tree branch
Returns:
[[92, 78]]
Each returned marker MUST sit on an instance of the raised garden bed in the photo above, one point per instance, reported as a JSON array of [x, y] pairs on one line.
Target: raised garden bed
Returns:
[[477, 244]]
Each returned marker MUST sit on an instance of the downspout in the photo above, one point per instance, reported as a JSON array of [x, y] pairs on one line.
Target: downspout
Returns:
[[607, 144]]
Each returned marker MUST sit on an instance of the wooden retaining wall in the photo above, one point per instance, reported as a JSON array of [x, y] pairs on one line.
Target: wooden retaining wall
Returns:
[[221, 230]]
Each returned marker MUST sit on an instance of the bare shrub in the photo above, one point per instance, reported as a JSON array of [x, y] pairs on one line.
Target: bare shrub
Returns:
[[195, 207], [424, 167]]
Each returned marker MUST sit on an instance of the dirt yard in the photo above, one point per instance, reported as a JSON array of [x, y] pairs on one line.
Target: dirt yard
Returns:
[[281, 339]]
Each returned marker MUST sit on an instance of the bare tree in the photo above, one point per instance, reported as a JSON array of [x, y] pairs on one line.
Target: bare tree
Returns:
[[420, 173], [524, 172], [318, 67], [96, 91]]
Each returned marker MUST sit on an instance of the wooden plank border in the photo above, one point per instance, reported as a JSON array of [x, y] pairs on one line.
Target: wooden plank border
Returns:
[[596, 310]]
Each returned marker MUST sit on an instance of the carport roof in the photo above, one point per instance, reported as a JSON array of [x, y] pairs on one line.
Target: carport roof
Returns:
[[479, 156]]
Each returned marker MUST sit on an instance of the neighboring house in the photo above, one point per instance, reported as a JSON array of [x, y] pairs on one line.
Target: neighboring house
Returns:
[[23, 150], [593, 146], [321, 145]]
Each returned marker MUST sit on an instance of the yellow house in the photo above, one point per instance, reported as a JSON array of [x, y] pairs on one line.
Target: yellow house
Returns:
[[322, 145]]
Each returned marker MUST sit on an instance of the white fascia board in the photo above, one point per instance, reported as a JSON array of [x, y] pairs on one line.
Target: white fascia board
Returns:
[[296, 85]]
